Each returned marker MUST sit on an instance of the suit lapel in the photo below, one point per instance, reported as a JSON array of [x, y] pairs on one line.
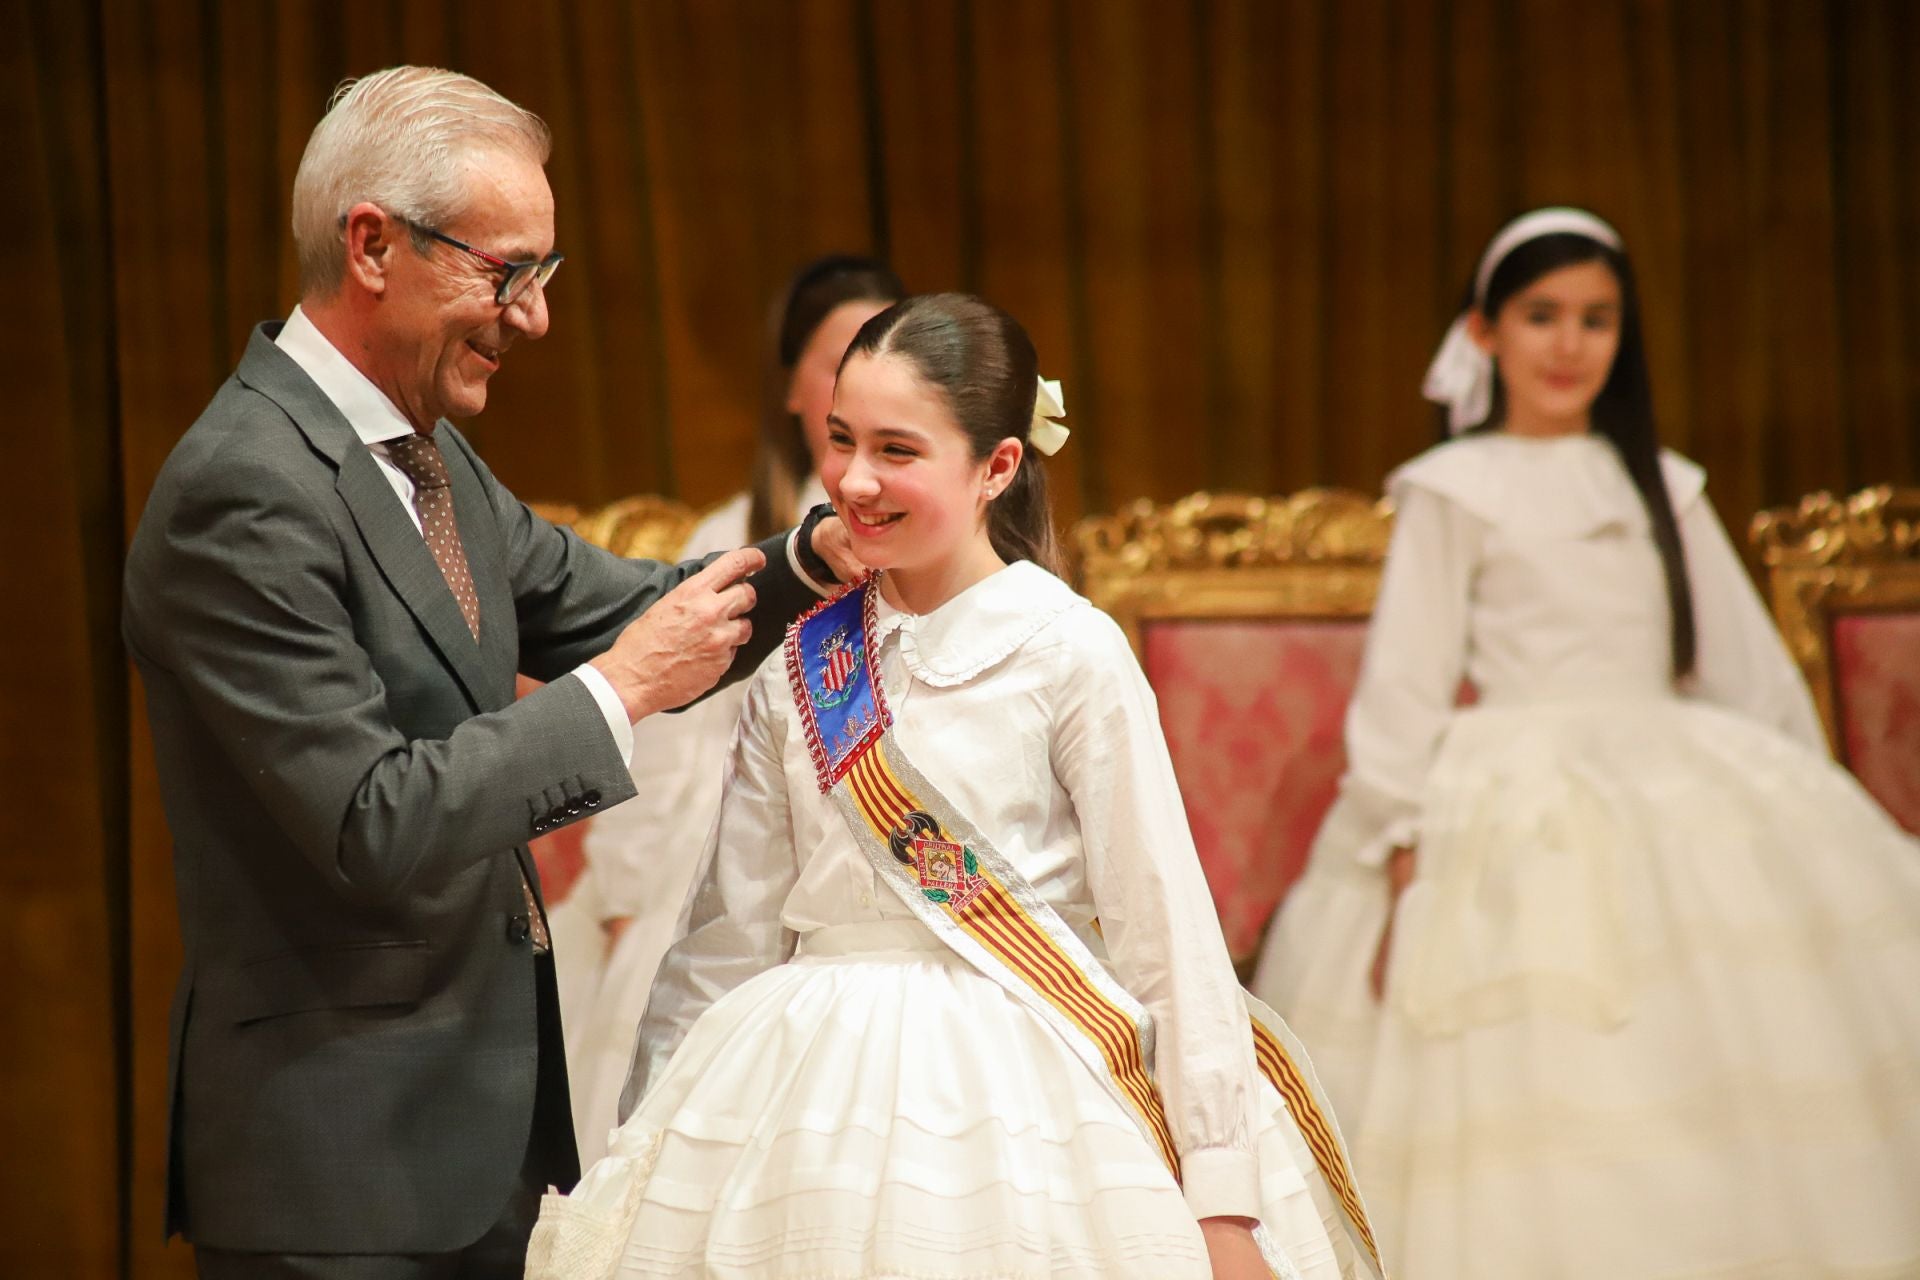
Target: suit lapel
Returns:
[[385, 526]]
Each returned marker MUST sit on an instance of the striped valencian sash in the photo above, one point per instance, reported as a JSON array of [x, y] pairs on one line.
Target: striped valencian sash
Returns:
[[962, 887], [1282, 1059]]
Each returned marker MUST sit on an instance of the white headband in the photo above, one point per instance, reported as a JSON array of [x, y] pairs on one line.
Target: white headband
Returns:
[[1043, 433], [1461, 375]]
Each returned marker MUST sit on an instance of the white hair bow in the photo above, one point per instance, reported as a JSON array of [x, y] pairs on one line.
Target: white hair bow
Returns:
[[1045, 433], [1460, 377]]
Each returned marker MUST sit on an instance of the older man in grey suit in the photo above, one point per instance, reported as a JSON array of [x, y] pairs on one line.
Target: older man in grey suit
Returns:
[[328, 597]]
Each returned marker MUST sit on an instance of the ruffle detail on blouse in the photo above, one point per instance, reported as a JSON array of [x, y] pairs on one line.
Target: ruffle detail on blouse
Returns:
[[981, 627], [1566, 487]]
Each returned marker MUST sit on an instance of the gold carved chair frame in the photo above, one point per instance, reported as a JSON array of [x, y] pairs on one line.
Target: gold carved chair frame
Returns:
[[1314, 554], [644, 527], [1829, 557]]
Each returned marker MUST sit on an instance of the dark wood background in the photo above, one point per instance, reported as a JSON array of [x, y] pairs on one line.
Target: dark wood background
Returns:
[[1235, 228]]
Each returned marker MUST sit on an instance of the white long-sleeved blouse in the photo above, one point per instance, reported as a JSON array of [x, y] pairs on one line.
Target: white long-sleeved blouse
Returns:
[[1026, 707], [1528, 567]]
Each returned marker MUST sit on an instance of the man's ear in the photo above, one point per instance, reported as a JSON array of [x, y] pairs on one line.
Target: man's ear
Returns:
[[371, 241]]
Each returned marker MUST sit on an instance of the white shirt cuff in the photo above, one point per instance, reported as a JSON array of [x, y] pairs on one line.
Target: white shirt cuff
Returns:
[[1401, 833], [1221, 1182], [793, 562], [611, 707]]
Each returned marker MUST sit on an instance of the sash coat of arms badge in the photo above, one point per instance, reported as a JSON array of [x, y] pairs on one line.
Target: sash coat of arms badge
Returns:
[[839, 659], [948, 872]]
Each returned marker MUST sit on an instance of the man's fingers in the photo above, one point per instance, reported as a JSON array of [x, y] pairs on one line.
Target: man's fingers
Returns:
[[742, 632], [737, 601], [731, 567]]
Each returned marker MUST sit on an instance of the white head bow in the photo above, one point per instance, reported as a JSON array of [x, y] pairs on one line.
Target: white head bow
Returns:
[[1045, 433], [1461, 375]]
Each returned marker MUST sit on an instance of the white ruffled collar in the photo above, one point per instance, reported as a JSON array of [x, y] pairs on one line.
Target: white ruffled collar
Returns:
[[977, 629]]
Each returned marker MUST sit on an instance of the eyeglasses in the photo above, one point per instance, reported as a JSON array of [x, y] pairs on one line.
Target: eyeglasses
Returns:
[[519, 276]]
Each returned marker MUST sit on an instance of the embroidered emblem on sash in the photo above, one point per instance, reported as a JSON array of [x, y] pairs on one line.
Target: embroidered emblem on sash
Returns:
[[835, 689], [840, 659], [949, 873]]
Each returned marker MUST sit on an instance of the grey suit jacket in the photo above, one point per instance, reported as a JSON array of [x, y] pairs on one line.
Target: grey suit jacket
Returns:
[[350, 786]]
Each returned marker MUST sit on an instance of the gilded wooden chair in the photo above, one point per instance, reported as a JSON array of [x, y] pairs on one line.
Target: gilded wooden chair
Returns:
[[1249, 616], [643, 527], [1844, 577]]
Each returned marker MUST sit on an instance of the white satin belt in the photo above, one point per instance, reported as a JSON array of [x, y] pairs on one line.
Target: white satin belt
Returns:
[[870, 939]]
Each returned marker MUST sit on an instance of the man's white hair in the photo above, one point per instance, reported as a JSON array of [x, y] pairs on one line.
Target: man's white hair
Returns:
[[397, 138]]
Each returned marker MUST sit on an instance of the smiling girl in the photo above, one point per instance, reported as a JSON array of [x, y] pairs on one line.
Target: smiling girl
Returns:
[[642, 855], [1611, 973], [951, 1000]]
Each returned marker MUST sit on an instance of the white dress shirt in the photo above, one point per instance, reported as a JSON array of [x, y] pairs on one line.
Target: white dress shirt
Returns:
[[1026, 707], [376, 420]]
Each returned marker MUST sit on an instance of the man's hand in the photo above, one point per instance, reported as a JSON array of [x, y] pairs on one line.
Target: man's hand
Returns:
[[679, 648], [832, 543]]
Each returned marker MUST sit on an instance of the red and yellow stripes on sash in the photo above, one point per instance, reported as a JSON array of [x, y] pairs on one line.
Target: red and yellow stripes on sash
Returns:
[[1278, 1066], [997, 921]]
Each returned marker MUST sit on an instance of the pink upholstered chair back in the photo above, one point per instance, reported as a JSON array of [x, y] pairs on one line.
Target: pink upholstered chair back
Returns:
[[1248, 616], [1845, 582], [1876, 676], [1253, 713]]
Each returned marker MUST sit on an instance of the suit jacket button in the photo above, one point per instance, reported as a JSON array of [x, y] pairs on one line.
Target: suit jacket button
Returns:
[[518, 930], [591, 799], [540, 825], [556, 815]]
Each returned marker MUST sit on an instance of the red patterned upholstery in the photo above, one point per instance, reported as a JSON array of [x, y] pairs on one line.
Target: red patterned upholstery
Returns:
[[1253, 714], [1876, 676]]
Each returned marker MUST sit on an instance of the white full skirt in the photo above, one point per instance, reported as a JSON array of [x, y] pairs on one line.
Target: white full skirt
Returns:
[[893, 1114], [1653, 1006]]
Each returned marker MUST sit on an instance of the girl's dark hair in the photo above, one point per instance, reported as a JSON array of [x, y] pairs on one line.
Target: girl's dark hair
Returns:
[[1623, 411], [814, 292], [981, 360]]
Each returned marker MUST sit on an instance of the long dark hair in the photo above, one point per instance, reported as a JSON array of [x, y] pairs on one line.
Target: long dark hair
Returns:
[[981, 360], [1623, 411], [814, 293]]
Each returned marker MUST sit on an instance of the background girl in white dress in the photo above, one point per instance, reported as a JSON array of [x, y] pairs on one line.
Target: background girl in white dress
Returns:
[[641, 856], [1611, 973], [824, 1084]]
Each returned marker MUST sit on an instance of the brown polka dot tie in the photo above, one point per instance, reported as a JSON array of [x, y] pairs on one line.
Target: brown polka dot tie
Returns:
[[418, 458]]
